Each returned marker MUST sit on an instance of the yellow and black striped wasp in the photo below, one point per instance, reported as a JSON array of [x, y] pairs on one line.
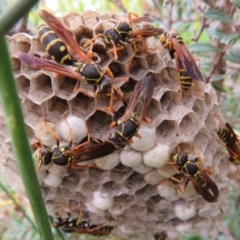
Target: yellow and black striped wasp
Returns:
[[191, 169], [55, 38], [81, 227], [230, 140], [123, 32], [54, 45], [126, 127], [186, 65], [57, 156]]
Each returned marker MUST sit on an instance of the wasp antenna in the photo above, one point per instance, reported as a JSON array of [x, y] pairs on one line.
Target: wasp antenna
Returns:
[[51, 131], [69, 131], [219, 118], [89, 130], [39, 166], [80, 214]]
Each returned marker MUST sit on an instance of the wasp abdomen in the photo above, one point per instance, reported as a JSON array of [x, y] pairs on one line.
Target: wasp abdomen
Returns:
[[54, 45]]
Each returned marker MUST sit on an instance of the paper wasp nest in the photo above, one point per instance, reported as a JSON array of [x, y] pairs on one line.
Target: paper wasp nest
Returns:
[[127, 194]]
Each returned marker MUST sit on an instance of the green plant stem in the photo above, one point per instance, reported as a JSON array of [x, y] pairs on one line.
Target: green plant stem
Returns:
[[13, 13], [18, 205], [16, 127]]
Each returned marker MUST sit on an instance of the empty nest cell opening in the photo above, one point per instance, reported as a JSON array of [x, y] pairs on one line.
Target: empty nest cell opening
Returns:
[[32, 112], [167, 131], [118, 69], [23, 85], [16, 65], [200, 108], [55, 107], [40, 88], [63, 86], [138, 68], [168, 75], [170, 101], [82, 105], [189, 124]]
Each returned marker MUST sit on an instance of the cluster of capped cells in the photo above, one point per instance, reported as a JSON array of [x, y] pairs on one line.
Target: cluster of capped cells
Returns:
[[127, 189]]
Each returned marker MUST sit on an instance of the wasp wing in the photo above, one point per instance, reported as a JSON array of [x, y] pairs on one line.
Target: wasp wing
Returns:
[[140, 98], [146, 32], [49, 65], [86, 153], [73, 47], [140, 19], [210, 191], [186, 59]]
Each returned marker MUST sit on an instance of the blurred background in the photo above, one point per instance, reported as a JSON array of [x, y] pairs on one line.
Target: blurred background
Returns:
[[211, 29]]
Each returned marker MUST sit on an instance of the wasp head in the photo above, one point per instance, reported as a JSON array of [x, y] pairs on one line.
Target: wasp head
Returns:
[[45, 156]]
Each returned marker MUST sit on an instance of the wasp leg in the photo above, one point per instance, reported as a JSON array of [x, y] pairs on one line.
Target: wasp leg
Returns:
[[135, 50], [115, 49], [77, 87], [110, 109], [174, 167], [38, 145], [172, 177], [109, 73], [147, 120], [113, 125], [69, 131], [93, 39], [137, 135], [90, 52], [120, 93]]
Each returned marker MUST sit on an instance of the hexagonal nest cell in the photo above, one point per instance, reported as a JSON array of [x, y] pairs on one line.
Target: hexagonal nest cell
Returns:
[[135, 199]]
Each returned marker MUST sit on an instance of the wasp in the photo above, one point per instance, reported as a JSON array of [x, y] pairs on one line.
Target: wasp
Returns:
[[83, 68], [186, 65], [191, 169], [57, 156], [160, 236], [46, 156], [82, 227], [123, 31], [126, 127], [231, 141]]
